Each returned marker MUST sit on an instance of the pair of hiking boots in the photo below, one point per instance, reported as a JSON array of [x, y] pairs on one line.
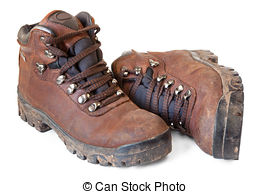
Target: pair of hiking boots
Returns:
[[65, 85]]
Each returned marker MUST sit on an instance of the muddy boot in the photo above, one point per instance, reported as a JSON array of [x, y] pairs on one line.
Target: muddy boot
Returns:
[[65, 85], [191, 92]]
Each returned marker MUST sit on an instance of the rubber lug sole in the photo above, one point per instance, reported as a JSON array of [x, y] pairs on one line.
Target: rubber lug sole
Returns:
[[139, 153], [229, 114]]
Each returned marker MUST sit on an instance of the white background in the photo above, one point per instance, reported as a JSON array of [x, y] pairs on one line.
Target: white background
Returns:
[[237, 31]]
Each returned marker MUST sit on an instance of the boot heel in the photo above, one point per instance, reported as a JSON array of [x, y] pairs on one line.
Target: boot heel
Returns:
[[32, 117]]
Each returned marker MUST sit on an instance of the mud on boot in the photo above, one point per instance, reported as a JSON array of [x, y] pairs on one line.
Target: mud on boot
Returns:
[[191, 92], [65, 85]]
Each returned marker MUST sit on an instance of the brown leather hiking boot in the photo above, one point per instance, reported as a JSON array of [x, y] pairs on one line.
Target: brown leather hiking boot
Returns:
[[65, 85], [191, 92]]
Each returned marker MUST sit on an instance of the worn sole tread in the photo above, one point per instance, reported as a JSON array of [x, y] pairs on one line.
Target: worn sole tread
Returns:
[[229, 116], [128, 155]]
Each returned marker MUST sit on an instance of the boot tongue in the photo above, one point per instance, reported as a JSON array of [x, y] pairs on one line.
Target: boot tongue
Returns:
[[63, 18], [60, 23]]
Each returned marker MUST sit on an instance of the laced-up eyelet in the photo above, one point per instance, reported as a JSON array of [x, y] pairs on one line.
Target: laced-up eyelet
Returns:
[[124, 70], [161, 77], [71, 88], [49, 54], [187, 94], [125, 73], [114, 81], [137, 70], [41, 68], [60, 79], [119, 92], [168, 84], [179, 89], [93, 107], [83, 98], [153, 63], [42, 39]]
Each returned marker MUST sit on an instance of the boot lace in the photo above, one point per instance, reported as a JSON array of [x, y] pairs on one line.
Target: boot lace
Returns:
[[160, 86], [79, 81]]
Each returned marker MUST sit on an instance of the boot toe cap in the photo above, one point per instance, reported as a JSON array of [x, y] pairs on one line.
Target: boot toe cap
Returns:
[[139, 125]]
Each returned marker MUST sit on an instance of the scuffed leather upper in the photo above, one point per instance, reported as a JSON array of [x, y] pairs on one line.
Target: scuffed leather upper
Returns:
[[205, 83], [118, 123]]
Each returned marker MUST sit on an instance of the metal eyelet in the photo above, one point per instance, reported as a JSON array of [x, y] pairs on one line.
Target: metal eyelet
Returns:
[[179, 89], [93, 107], [114, 81], [41, 68], [137, 70], [180, 123], [60, 79], [83, 98], [49, 54], [125, 71], [168, 84], [187, 94], [71, 88], [161, 77], [153, 63], [124, 68], [119, 92], [42, 39]]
